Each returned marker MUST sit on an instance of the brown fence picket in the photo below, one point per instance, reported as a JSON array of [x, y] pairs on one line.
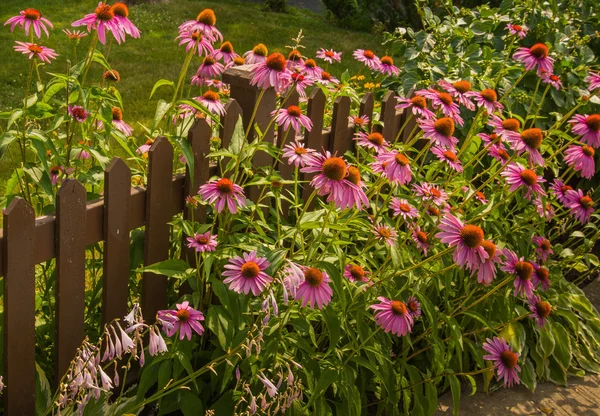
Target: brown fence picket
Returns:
[[341, 136], [313, 139], [389, 117], [199, 137], [233, 112], [19, 308], [367, 103], [115, 288], [156, 238], [70, 272]]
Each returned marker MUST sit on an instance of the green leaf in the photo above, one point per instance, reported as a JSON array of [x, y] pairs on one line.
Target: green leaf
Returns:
[[53, 89], [120, 138], [5, 140], [98, 57], [328, 376], [162, 108], [191, 405], [164, 373], [546, 341], [188, 154], [43, 391], [562, 347], [238, 137], [171, 268], [334, 327], [160, 83], [528, 376], [455, 388]]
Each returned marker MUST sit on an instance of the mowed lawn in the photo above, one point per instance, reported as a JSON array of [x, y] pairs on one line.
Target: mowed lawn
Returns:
[[141, 62]]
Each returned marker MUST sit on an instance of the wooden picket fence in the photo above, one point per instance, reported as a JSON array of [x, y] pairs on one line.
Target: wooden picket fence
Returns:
[[27, 241]]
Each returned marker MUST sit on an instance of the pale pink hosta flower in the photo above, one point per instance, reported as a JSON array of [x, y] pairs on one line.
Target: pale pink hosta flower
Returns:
[[121, 12], [373, 141], [273, 72], [156, 343], [271, 388], [393, 316], [522, 270], [223, 193], [387, 67], [257, 55], [418, 106], [292, 117], [203, 243], [329, 55], [184, 319], [197, 41], [443, 101], [310, 68], [439, 132], [421, 238], [581, 205], [430, 192], [212, 101], [247, 274], [297, 154], [205, 22], [403, 208], [226, 53], [540, 310], [536, 57], [468, 240], [594, 80], [487, 99], [559, 189], [518, 176], [293, 277], [368, 58], [487, 269], [30, 19], [33, 50], [447, 156], [103, 20], [519, 30], [394, 165], [582, 159], [461, 91], [545, 210], [588, 127], [529, 140], [543, 247], [505, 360], [315, 288]]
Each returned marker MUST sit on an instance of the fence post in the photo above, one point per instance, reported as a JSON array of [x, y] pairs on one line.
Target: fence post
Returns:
[[389, 117], [70, 272], [199, 138], [367, 103], [156, 238], [341, 138], [314, 139], [115, 288], [233, 112], [19, 308]]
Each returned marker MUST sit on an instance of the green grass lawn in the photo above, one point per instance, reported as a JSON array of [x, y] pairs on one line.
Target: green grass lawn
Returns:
[[141, 62]]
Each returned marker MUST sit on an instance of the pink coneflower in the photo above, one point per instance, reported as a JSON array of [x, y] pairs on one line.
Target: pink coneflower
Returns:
[[517, 176], [544, 248], [226, 53], [430, 192], [203, 243], [357, 198], [395, 166], [529, 140], [487, 99], [448, 156], [103, 20], [588, 127], [545, 210], [551, 79], [331, 178], [520, 31], [196, 40], [535, 57], [295, 61], [414, 307], [467, 239], [74, 34], [327, 78], [505, 360], [522, 270], [460, 90], [205, 22], [439, 131], [117, 121], [387, 67], [443, 101], [594, 80], [184, 319], [501, 127], [559, 189], [329, 55], [311, 69], [210, 68], [487, 269], [272, 73], [385, 234], [581, 205], [292, 116], [481, 197], [34, 50], [212, 102], [359, 121], [355, 273], [421, 238], [257, 55], [30, 18], [77, 112], [300, 82], [393, 316], [223, 192], [541, 277], [373, 141], [143, 149], [297, 154], [121, 12], [582, 159], [315, 288], [496, 149], [55, 171], [540, 310], [82, 154], [247, 274], [403, 208], [418, 105], [368, 58]]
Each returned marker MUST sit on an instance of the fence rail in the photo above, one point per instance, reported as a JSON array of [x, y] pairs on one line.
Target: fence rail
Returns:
[[26, 241]]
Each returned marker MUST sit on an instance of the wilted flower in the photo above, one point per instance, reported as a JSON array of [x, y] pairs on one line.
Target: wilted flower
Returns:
[[78, 113]]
